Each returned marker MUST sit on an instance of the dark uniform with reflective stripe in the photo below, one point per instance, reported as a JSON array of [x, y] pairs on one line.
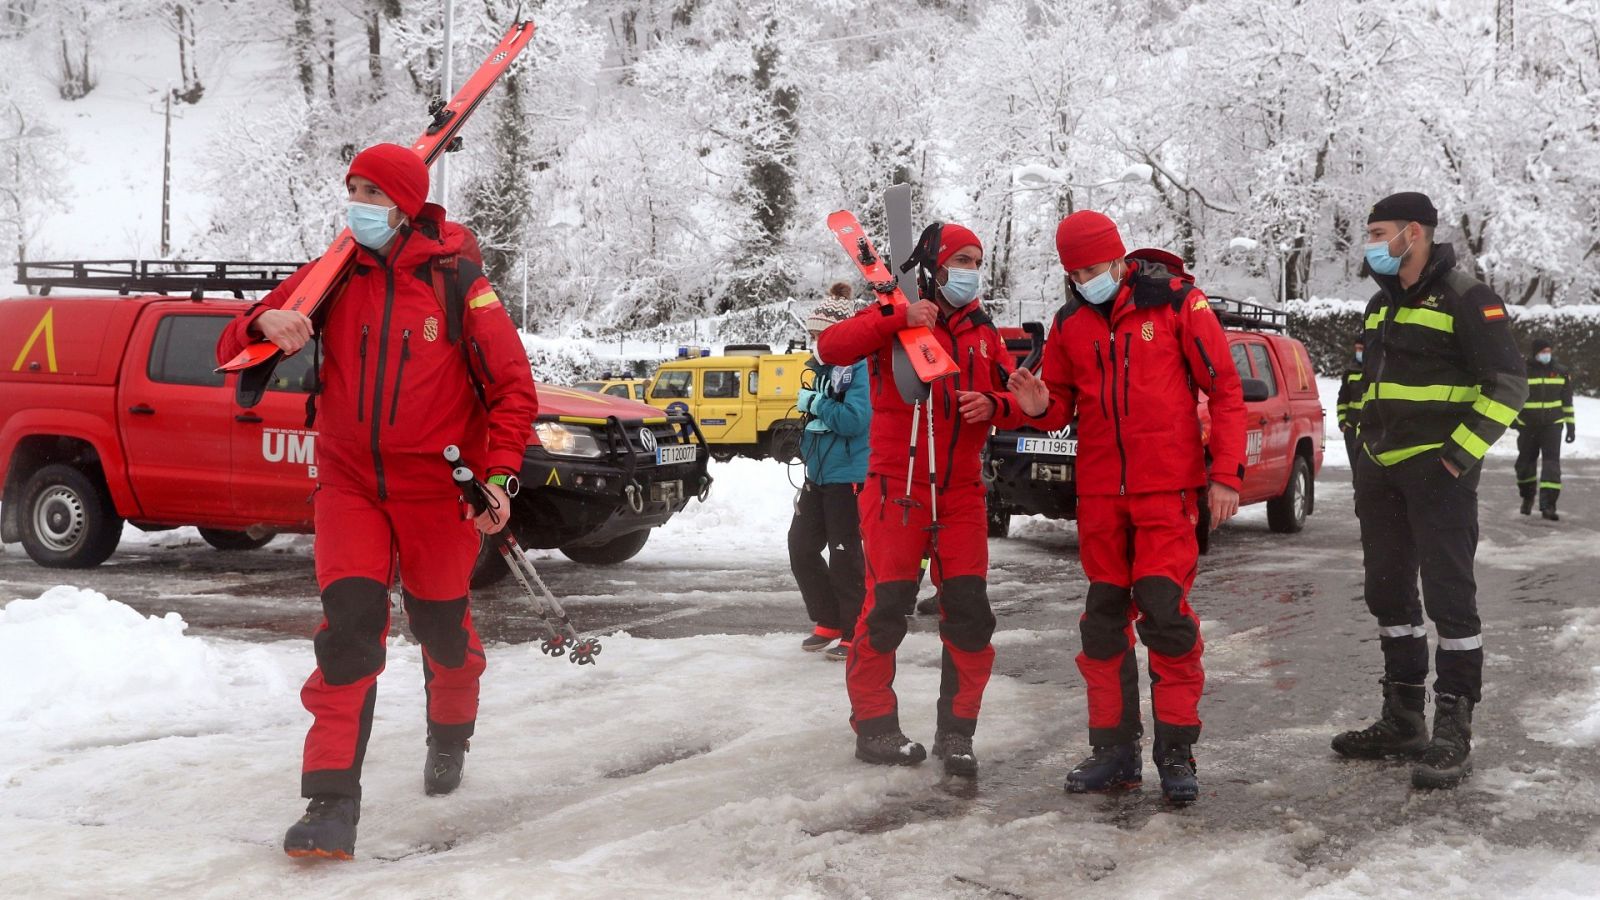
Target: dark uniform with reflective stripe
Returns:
[[1348, 414], [1548, 409], [1443, 380]]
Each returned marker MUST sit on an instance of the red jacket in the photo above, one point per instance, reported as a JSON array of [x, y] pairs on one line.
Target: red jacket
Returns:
[[395, 390], [1132, 387], [971, 339]]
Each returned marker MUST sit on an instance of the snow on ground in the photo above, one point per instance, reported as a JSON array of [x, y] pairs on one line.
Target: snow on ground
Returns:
[[1586, 447], [1572, 718], [153, 761]]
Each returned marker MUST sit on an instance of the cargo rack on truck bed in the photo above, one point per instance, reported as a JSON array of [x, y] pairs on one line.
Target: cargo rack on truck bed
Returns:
[[1248, 316], [155, 276]]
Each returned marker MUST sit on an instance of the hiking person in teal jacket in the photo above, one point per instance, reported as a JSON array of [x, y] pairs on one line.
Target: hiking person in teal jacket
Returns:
[[838, 410]]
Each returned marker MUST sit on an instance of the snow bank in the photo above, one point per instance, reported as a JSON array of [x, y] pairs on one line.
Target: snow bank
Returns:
[[78, 666], [745, 517], [1572, 719]]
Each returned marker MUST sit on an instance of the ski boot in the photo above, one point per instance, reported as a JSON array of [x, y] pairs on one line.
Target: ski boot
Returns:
[[891, 749], [1110, 767], [1448, 758], [839, 652], [327, 830], [955, 749], [1175, 765], [441, 772], [815, 642], [1402, 729]]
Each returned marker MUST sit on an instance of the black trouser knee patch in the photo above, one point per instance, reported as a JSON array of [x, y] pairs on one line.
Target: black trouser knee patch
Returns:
[[1105, 621], [968, 622], [437, 627], [886, 624], [1163, 628], [351, 647]]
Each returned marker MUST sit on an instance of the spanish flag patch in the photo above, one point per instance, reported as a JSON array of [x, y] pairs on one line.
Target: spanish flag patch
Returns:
[[487, 298], [1494, 313]]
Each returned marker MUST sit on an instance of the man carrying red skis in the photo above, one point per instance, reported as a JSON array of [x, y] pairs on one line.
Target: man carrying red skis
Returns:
[[417, 354], [898, 503], [1125, 357]]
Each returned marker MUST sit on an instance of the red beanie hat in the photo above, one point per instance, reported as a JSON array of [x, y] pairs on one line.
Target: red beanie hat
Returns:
[[952, 238], [396, 171], [1088, 238]]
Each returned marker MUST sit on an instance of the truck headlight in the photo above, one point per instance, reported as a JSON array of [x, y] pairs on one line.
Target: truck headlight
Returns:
[[560, 439]]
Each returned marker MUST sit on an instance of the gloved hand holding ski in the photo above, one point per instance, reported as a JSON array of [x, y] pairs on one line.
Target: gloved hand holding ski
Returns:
[[561, 637]]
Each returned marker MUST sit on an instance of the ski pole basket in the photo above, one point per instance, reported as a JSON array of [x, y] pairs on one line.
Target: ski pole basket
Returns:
[[1246, 315], [155, 276]]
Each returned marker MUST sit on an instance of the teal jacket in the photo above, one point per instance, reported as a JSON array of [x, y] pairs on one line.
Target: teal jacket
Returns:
[[844, 406]]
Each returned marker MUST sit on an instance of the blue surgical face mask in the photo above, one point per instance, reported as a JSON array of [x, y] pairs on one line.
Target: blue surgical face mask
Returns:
[[1099, 289], [1380, 260], [1544, 358], [369, 223], [961, 286]]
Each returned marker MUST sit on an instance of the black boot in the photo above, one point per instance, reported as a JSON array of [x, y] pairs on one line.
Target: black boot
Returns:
[[955, 749], [1175, 765], [327, 830], [1448, 758], [1402, 730], [929, 605], [1109, 767], [1527, 504], [1549, 512], [441, 772], [891, 749]]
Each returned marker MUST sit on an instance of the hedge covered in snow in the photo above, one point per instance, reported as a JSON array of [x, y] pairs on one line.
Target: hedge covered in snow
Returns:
[[1328, 327]]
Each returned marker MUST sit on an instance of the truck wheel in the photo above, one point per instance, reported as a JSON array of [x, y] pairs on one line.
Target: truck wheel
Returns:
[[1286, 513], [490, 569], [783, 442], [999, 522], [1202, 528], [610, 553], [68, 520], [234, 540]]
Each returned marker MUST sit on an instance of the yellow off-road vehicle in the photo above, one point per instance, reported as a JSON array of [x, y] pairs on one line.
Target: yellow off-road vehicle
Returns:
[[743, 400]]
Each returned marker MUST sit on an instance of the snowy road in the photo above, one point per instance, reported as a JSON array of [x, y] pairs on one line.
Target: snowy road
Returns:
[[707, 755]]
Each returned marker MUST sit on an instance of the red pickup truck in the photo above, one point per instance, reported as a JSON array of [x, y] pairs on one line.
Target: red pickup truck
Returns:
[[1031, 473], [110, 411]]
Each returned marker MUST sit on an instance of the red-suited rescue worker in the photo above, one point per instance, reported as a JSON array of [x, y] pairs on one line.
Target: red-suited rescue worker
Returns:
[[1444, 379], [1539, 426], [400, 382], [1125, 356], [896, 534]]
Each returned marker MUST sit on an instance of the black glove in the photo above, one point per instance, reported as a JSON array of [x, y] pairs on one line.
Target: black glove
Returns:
[[1572, 432]]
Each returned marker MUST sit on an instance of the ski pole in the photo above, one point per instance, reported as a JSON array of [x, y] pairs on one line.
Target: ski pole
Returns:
[[933, 480], [561, 636], [906, 502]]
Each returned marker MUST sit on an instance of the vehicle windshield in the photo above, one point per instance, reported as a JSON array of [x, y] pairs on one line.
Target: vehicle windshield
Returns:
[[589, 386]]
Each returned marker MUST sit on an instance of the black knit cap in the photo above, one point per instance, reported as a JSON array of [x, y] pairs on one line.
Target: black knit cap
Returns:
[[1406, 206], [1540, 344]]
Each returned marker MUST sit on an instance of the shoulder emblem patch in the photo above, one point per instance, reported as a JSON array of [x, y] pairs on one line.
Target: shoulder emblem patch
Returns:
[[1148, 331], [1199, 304], [1494, 313]]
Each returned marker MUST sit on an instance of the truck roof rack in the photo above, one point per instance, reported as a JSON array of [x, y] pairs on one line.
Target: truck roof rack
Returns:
[[155, 276], [1249, 316]]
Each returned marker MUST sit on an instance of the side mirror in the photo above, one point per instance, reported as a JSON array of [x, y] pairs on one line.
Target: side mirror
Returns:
[[1255, 390]]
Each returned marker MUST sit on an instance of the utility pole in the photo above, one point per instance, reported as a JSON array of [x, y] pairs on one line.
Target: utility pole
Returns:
[[166, 182], [447, 81]]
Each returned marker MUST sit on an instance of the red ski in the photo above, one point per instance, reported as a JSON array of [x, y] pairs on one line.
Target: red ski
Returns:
[[256, 361], [926, 355]]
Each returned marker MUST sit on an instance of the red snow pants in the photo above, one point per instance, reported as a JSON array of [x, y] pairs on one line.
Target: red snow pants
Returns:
[[1139, 553], [895, 538], [361, 541]]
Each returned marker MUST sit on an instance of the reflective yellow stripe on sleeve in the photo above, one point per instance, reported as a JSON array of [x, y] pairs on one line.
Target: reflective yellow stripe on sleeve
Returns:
[[1494, 410], [1474, 445]]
